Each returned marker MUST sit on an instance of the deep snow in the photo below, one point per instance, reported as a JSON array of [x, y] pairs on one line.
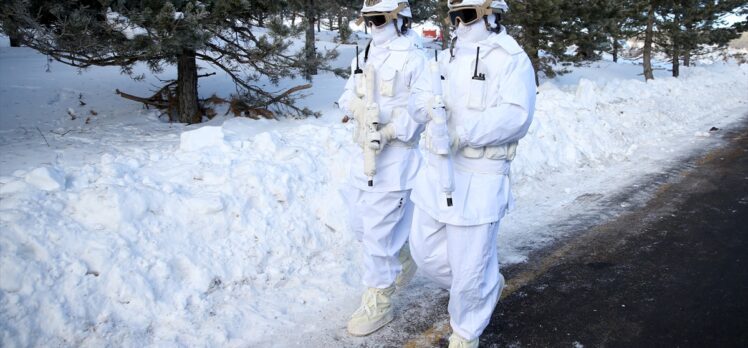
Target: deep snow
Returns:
[[118, 228]]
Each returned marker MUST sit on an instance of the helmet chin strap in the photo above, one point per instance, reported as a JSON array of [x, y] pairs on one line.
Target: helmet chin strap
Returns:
[[385, 34]]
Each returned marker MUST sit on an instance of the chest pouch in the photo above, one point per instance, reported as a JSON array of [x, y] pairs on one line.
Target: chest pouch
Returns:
[[387, 81], [477, 93]]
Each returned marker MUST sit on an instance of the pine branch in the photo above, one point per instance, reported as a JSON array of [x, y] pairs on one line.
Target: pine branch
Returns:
[[146, 101]]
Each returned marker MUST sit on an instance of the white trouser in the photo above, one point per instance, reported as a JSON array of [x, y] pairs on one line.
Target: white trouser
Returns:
[[464, 260], [381, 221]]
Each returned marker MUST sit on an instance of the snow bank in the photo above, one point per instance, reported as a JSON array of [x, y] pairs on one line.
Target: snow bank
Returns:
[[145, 250], [237, 231], [592, 124], [592, 136]]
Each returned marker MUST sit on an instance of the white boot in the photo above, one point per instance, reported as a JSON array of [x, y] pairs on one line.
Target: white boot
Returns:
[[456, 341], [374, 313], [409, 267]]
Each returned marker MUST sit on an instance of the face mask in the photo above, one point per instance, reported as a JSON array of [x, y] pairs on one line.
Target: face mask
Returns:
[[385, 33], [473, 32]]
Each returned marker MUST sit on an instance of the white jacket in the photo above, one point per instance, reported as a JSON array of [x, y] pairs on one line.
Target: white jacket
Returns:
[[482, 187], [401, 63]]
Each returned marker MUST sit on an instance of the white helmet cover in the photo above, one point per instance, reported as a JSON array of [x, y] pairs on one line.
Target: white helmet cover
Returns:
[[496, 5], [386, 6]]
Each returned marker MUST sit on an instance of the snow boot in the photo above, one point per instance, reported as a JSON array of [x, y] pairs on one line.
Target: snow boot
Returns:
[[409, 267], [456, 341], [374, 313]]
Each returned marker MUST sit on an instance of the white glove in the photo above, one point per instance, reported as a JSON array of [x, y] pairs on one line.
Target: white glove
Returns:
[[438, 138], [438, 114], [374, 140], [379, 139], [356, 107], [456, 143], [437, 132]]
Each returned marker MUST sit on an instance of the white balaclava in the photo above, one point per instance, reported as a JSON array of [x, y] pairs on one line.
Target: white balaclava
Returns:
[[474, 32], [385, 34]]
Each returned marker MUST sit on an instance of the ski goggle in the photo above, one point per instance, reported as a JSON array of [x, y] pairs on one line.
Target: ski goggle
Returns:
[[379, 19], [469, 15], [376, 19]]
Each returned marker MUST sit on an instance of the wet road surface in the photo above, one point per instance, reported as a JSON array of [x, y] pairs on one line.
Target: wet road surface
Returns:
[[671, 274]]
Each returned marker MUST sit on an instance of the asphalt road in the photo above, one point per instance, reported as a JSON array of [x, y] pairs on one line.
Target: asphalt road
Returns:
[[673, 273]]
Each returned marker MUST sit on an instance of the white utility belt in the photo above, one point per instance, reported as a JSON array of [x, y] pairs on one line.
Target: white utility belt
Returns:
[[398, 143], [481, 165], [505, 152]]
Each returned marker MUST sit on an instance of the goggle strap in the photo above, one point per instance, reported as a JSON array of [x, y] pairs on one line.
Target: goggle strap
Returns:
[[393, 14]]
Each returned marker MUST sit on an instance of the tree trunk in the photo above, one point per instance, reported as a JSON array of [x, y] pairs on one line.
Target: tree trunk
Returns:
[[446, 34], [648, 36], [533, 51], [676, 60], [309, 49], [319, 25], [690, 45], [535, 60], [616, 48], [676, 37], [14, 41], [293, 18], [189, 111], [344, 31]]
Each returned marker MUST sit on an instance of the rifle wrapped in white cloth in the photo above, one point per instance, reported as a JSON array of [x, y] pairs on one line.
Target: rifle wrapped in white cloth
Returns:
[[438, 134]]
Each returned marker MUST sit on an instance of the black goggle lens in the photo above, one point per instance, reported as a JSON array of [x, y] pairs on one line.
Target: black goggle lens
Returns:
[[466, 16], [375, 20]]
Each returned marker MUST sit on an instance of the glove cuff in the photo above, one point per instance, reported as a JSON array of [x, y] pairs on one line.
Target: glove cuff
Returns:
[[388, 132], [460, 138]]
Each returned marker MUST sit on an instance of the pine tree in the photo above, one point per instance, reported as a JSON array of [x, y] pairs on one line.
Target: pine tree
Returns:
[[347, 10], [125, 32], [702, 27], [691, 27], [583, 27], [339, 14], [442, 20], [622, 19], [310, 50], [597, 26], [425, 9], [539, 26]]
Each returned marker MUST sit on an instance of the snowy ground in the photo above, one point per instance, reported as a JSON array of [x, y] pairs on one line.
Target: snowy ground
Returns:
[[118, 228]]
